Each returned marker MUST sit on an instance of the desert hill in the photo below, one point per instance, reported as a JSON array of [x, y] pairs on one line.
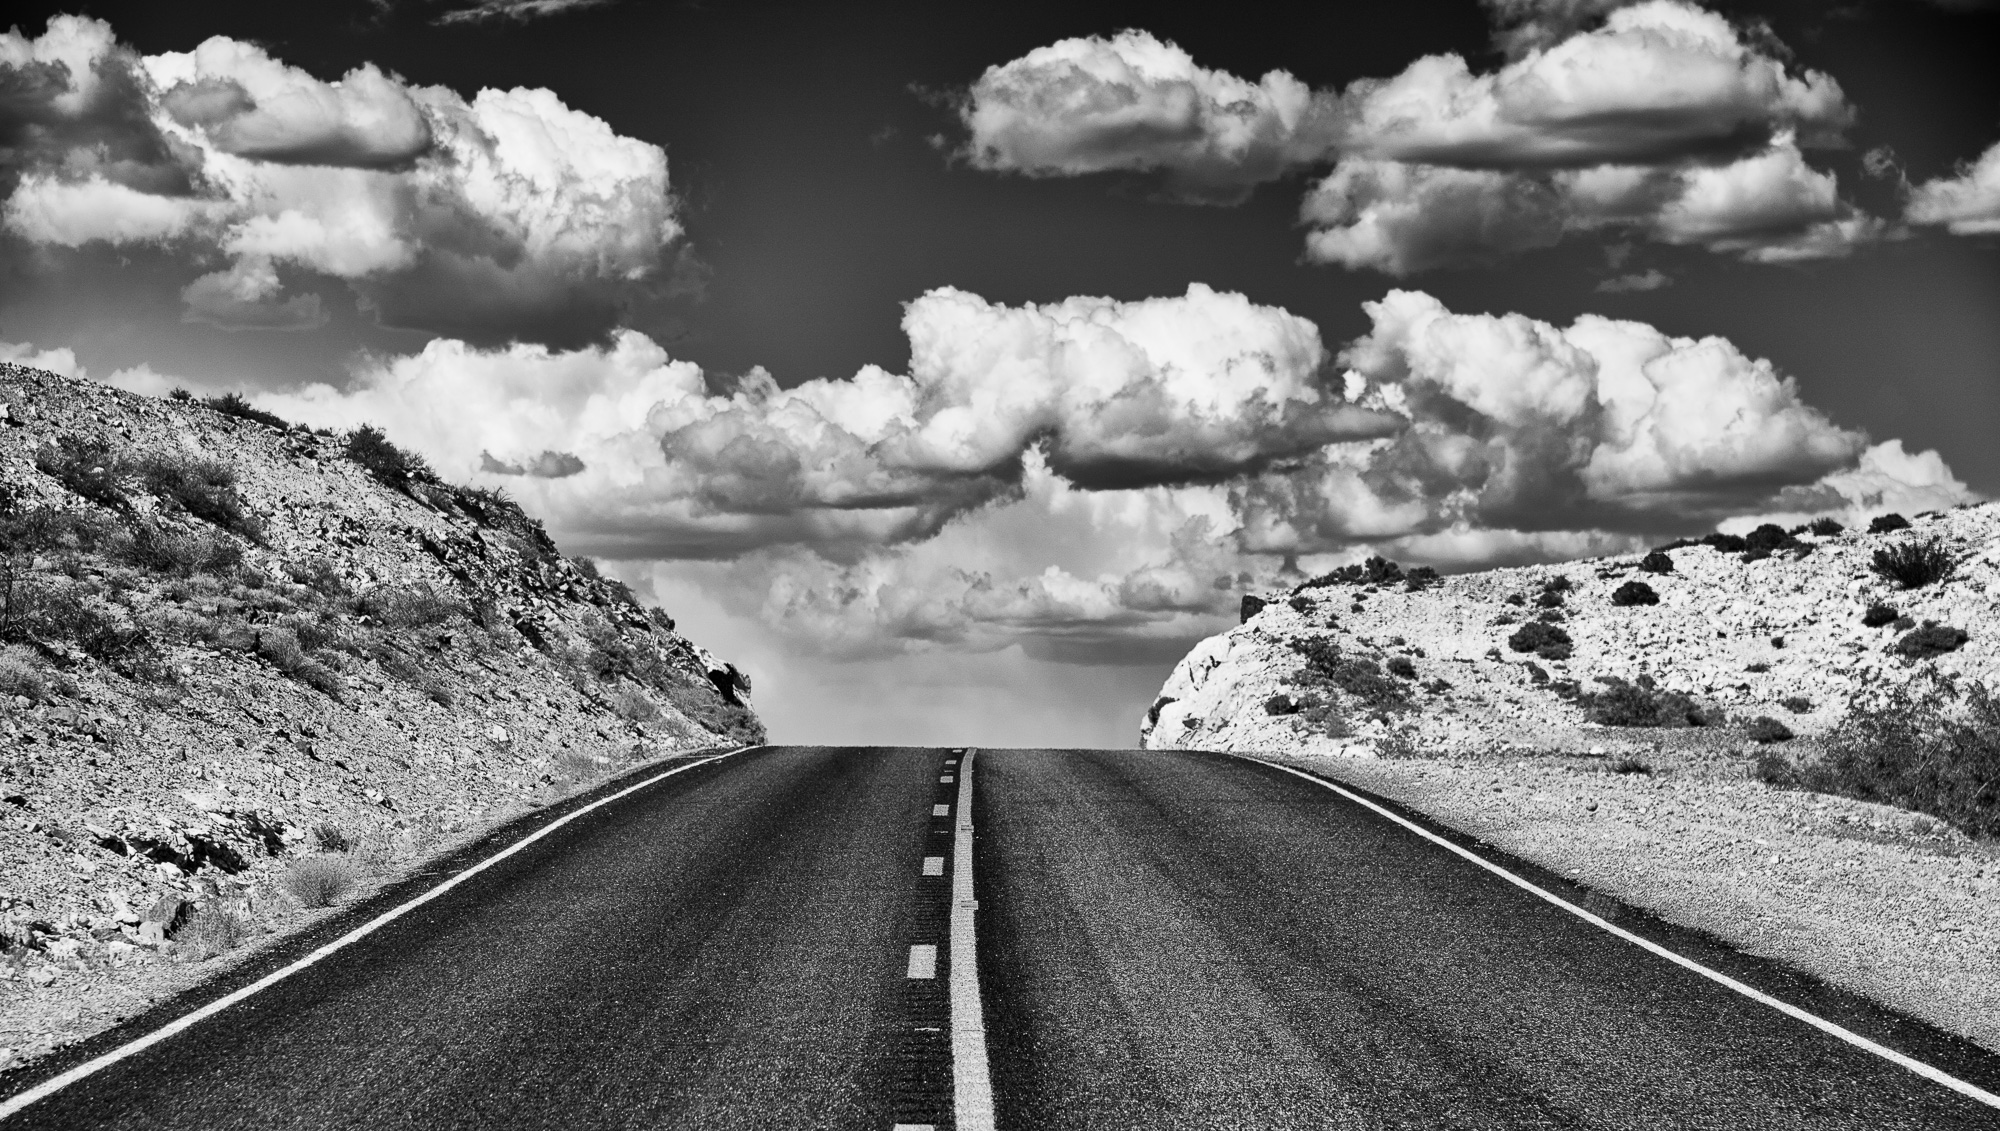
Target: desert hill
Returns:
[[227, 643], [1731, 644]]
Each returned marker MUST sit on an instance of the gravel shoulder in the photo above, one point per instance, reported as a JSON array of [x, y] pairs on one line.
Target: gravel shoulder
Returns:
[[1883, 902]]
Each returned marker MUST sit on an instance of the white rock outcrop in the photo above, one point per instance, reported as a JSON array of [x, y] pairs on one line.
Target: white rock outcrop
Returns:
[[1782, 636]]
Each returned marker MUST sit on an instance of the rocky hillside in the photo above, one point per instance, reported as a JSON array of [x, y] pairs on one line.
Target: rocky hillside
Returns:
[[226, 643], [1729, 643]]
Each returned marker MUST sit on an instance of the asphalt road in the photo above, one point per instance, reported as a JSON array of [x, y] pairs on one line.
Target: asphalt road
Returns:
[[1165, 941]]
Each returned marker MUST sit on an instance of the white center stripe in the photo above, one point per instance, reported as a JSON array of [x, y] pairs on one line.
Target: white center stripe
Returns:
[[923, 961], [933, 865], [940, 810], [945, 779]]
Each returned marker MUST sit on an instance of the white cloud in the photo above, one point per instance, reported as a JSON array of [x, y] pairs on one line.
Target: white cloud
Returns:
[[1651, 279], [1089, 478], [518, 11], [1660, 119], [509, 215], [1401, 219], [1659, 81], [1967, 203], [1135, 103]]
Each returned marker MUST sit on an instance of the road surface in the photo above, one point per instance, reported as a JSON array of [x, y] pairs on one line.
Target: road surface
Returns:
[[1164, 941]]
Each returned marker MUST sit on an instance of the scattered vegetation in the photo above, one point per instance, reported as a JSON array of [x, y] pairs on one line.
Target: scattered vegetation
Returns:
[[1913, 565], [1824, 527], [1624, 703], [1766, 729], [1879, 614], [389, 464], [329, 837], [1421, 578], [1657, 562], [203, 488], [1933, 639], [415, 606], [1402, 667], [233, 404], [1930, 754], [1635, 593], [210, 931], [1888, 524], [319, 881], [1626, 764], [1360, 677], [1281, 704], [1544, 640], [1301, 604], [1796, 704]]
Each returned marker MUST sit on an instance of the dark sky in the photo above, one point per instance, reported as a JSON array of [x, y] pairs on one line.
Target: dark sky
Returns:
[[816, 206]]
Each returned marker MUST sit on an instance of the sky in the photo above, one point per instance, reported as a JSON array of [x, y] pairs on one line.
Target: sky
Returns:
[[954, 371]]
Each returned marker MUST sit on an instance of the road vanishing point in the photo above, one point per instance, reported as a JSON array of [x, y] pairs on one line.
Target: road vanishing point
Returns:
[[885, 938]]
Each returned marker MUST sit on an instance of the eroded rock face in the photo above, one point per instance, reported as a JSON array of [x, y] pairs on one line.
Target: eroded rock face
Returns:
[[1740, 634]]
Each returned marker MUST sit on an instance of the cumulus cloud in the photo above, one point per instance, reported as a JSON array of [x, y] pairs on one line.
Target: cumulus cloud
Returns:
[[1967, 203], [1090, 477], [1651, 279], [1660, 118], [1136, 103], [508, 215]]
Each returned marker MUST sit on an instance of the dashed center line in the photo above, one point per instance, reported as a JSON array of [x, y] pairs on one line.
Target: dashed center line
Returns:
[[940, 810], [933, 865], [946, 780], [923, 961]]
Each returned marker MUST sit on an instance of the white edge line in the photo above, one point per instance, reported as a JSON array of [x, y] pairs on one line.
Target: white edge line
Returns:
[[1928, 1072], [971, 1080], [51, 1086]]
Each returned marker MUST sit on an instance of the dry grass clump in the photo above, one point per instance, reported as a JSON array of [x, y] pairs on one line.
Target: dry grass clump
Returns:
[[319, 881], [633, 706], [1623, 703], [211, 931], [280, 648], [413, 606]]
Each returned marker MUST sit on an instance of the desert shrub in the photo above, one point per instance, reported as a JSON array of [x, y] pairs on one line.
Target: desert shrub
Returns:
[[203, 488], [706, 708], [88, 468], [179, 395], [1913, 565], [320, 575], [1538, 674], [1421, 578], [1933, 639], [211, 931], [415, 606], [1773, 768], [329, 837], [1727, 543], [1358, 676], [161, 549], [1920, 753], [47, 613], [1543, 639], [1766, 540], [1657, 562], [1437, 686], [1824, 527], [22, 676], [233, 404], [1879, 614], [1552, 616], [1634, 593], [1796, 704], [407, 669], [1887, 524], [1629, 765], [1281, 704], [632, 706], [660, 619], [280, 648], [1402, 668], [1624, 703], [1766, 729], [1505, 619], [1301, 604], [1516, 599], [318, 881], [389, 464]]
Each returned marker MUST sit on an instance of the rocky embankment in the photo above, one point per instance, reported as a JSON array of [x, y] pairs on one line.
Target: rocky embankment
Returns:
[[1372, 660], [228, 645]]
